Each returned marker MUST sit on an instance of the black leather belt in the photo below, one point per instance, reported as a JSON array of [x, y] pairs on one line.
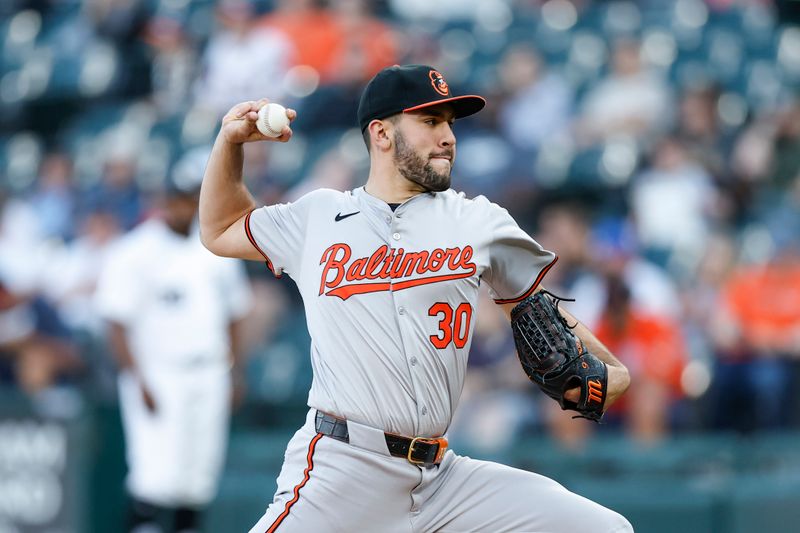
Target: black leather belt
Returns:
[[420, 451]]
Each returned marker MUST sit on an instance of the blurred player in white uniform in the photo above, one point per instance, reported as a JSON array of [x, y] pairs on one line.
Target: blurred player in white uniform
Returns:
[[390, 274], [173, 309]]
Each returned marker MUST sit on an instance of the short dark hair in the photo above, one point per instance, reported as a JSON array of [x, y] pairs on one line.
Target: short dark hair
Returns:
[[365, 134]]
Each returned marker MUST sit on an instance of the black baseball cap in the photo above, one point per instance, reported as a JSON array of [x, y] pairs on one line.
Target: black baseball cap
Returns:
[[400, 89]]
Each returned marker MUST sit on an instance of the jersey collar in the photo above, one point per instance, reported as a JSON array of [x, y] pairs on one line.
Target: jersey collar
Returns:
[[362, 195]]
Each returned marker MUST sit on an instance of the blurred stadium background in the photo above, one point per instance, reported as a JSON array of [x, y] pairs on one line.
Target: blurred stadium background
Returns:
[[654, 145]]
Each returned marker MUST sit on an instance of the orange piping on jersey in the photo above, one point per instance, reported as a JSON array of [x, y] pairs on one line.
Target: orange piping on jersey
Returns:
[[533, 287], [253, 242], [306, 476], [346, 291]]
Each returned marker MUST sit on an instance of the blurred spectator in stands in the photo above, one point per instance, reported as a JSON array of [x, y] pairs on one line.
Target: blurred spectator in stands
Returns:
[[701, 134], [312, 30], [242, 61], [752, 151], [122, 22], [335, 169], [174, 60], [750, 162], [78, 266], [35, 348], [765, 162], [536, 104], [22, 254], [54, 196], [701, 294], [589, 252], [20, 226], [336, 39], [374, 42], [630, 101], [674, 203], [785, 161], [333, 105], [565, 228], [616, 253], [757, 336], [264, 176], [654, 350], [117, 189], [699, 130], [366, 46]]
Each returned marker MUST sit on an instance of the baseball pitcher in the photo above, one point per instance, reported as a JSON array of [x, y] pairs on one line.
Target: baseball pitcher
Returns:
[[389, 274]]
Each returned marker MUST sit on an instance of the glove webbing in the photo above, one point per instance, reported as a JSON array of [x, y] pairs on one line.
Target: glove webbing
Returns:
[[531, 328]]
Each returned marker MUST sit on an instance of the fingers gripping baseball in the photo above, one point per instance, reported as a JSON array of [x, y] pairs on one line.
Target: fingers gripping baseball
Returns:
[[239, 124]]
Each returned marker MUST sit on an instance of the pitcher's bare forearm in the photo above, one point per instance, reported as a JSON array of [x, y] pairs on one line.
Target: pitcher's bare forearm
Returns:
[[589, 340], [225, 201], [224, 198], [618, 377]]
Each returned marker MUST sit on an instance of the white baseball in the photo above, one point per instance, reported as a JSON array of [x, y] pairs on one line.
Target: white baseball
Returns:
[[271, 119]]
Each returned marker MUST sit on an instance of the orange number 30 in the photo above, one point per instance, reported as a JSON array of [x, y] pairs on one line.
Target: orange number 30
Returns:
[[453, 325]]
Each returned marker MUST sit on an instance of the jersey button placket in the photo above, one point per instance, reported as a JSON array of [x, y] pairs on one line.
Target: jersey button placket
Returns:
[[401, 310]]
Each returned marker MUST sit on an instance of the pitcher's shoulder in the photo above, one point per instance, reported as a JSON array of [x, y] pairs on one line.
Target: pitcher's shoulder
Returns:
[[322, 195], [310, 202], [476, 203]]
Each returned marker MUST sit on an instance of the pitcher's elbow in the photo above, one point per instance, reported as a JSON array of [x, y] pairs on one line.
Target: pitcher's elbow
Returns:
[[209, 242], [625, 378]]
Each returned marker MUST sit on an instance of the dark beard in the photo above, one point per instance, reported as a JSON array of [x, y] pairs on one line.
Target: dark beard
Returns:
[[415, 169]]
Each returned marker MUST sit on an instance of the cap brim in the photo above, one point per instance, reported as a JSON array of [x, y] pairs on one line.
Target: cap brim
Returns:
[[464, 106]]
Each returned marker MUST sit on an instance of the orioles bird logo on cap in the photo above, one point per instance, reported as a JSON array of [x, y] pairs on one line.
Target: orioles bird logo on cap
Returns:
[[439, 85]]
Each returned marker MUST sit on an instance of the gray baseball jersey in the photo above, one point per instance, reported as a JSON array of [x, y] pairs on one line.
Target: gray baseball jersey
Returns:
[[389, 298], [390, 295]]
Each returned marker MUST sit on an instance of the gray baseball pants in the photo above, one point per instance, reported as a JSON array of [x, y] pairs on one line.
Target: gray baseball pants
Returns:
[[329, 485]]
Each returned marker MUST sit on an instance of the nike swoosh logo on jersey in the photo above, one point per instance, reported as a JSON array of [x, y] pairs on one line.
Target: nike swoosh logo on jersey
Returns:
[[342, 217]]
